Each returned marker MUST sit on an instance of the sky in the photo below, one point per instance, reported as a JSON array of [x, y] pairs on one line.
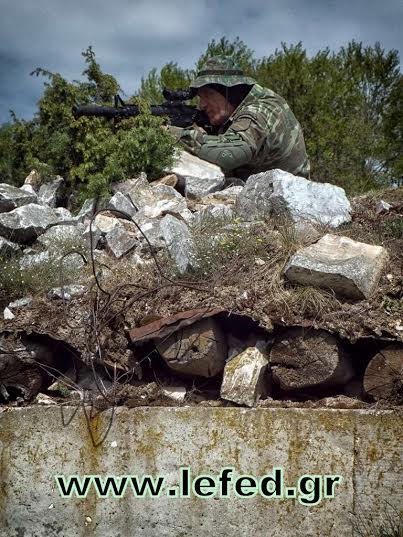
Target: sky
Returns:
[[130, 37]]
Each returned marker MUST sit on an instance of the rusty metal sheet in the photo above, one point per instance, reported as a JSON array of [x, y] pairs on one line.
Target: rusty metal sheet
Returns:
[[168, 325]]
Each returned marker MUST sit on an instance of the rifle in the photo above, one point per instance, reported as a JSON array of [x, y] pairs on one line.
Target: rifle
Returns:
[[179, 113]]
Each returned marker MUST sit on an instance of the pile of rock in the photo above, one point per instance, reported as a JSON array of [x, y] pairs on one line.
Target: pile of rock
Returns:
[[142, 218]]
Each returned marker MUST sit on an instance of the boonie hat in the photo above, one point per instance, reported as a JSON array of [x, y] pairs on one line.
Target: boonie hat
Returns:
[[221, 70]]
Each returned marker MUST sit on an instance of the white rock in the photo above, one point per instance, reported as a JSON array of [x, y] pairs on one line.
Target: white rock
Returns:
[[105, 223], [279, 193], [244, 381], [49, 192], [29, 189], [8, 314], [67, 292], [383, 207], [347, 267], [176, 393], [201, 177], [20, 303]]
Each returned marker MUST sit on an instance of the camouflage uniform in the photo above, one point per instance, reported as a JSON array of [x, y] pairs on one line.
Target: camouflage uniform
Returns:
[[261, 134]]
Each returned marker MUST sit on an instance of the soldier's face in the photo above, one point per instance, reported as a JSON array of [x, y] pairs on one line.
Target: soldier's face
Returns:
[[216, 106]]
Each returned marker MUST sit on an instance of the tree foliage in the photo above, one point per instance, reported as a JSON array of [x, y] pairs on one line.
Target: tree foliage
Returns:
[[349, 103], [89, 152]]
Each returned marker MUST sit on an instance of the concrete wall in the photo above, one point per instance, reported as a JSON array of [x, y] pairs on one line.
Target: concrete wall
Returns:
[[364, 447]]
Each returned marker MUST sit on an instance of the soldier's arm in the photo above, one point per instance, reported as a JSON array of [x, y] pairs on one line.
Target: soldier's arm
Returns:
[[236, 147]]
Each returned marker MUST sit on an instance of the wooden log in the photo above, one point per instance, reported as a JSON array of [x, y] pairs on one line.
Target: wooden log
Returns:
[[303, 358], [383, 378]]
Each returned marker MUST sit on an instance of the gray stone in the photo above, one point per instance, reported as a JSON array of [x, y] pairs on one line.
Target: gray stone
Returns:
[[65, 215], [179, 243], [152, 230], [92, 233], [27, 223], [306, 358], [228, 195], [20, 303], [49, 193], [8, 247], [120, 202], [209, 214], [62, 233], [162, 207], [87, 210], [199, 349], [12, 197], [31, 261], [197, 188], [244, 377], [347, 267], [67, 292], [137, 190], [90, 207], [305, 232], [279, 193], [120, 241], [164, 192]]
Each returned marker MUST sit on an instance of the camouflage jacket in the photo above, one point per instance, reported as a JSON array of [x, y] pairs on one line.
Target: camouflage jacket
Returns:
[[261, 134]]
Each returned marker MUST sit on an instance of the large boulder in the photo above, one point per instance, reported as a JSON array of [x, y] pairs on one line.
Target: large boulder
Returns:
[[28, 222], [279, 193], [244, 377], [199, 349], [347, 267], [199, 176], [12, 197]]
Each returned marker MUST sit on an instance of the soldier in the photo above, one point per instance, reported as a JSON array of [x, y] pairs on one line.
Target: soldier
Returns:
[[253, 128]]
